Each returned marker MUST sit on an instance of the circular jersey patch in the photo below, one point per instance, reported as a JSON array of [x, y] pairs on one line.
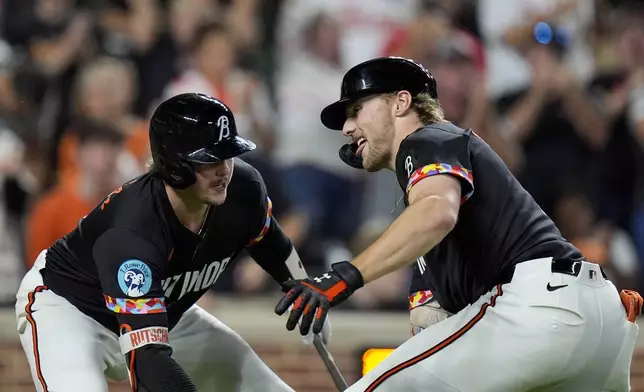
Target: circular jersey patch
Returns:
[[135, 278]]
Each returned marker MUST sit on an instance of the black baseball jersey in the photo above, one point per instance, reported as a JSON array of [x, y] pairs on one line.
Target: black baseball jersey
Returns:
[[132, 256], [499, 224], [131, 265]]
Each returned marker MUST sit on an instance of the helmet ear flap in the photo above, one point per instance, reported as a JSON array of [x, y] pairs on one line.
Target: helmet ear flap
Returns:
[[180, 175], [175, 171]]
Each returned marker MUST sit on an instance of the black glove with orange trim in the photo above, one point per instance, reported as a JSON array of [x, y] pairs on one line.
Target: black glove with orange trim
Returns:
[[314, 296]]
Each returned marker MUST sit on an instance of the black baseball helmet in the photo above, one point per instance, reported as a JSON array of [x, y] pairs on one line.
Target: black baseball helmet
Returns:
[[192, 128], [377, 76]]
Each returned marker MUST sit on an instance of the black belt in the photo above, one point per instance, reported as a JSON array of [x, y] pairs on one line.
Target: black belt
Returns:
[[566, 267], [558, 266]]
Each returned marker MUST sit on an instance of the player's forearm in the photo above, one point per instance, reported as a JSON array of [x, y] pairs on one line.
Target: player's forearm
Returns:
[[144, 343], [158, 372], [276, 255], [416, 231]]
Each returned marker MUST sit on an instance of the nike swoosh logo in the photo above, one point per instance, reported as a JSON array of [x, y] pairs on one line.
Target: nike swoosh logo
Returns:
[[553, 288]]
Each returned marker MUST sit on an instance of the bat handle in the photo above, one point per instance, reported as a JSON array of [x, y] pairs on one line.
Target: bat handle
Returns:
[[330, 364]]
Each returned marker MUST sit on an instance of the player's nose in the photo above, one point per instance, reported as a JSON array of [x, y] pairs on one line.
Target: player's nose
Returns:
[[218, 169], [349, 127], [225, 168], [222, 171]]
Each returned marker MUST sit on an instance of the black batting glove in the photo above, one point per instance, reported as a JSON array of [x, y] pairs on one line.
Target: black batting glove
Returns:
[[314, 296]]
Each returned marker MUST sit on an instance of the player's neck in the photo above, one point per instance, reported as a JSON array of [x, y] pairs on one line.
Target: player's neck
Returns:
[[189, 210], [404, 128]]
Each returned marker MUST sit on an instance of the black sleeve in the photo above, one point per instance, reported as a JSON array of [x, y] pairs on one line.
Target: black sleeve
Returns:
[[432, 151], [270, 247], [130, 269]]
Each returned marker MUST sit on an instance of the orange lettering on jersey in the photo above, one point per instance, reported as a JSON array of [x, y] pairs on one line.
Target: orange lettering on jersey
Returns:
[[109, 197]]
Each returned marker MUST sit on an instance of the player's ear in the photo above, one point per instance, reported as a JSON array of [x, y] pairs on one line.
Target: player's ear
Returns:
[[403, 103]]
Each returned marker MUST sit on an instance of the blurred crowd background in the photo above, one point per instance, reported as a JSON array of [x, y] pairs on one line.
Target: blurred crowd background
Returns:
[[556, 87]]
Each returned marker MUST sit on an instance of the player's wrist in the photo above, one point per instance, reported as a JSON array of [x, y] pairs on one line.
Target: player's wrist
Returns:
[[350, 274]]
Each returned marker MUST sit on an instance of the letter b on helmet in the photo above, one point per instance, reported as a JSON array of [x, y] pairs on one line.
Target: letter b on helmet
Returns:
[[192, 129]]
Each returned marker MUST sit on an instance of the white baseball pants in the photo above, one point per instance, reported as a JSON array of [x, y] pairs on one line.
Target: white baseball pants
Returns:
[[521, 337], [68, 351]]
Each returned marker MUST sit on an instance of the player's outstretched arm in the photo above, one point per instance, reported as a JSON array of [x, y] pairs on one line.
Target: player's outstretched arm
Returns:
[[432, 214], [274, 252], [271, 249], [268, 245], [130, 268], [433, 209]]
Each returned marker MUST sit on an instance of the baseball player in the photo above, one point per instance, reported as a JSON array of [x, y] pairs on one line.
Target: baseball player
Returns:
[[116, 297], [529, 312]]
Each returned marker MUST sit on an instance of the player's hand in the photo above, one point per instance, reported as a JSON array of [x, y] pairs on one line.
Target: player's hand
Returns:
[[314, 296], [325, 334]]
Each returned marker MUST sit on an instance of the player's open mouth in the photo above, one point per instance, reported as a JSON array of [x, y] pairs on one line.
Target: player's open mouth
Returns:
[[219, 186], [361, 143]]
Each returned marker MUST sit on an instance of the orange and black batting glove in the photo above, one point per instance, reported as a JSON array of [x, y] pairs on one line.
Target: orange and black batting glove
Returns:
[[314, 296]]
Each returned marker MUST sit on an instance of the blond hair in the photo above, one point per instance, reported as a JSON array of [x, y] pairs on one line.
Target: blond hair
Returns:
[[428, 109], [101, 68]]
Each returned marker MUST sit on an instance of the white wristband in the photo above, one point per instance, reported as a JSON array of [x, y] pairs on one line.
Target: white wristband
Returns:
[[142, 337], [294, 266]]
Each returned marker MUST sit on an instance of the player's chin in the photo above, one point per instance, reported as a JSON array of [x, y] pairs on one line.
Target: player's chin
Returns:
[[371, 165], [216, 196]]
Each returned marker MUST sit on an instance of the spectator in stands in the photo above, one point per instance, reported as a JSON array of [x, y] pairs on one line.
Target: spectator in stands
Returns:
[[420, 38], [104, 92], [600, 241], [215, 73], [161, 51], [240, 17], [507, 27], [364, 26], [135, 30], [22, 167], [457, 66], [59, 211], [558, 123], [314, 176], [621, 92], [58, 37], [56, 34]]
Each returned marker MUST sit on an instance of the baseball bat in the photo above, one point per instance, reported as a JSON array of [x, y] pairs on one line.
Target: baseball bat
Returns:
[[295, 268], [330, 364]]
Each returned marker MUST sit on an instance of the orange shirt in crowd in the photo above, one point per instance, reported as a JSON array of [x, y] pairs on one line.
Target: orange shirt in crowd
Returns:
[[137, 143], [52, 216], [592, 249]]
